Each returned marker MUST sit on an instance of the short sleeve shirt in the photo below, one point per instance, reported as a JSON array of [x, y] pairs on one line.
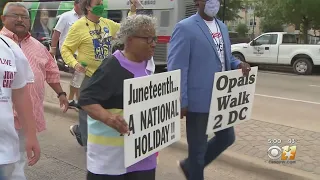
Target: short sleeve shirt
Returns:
[[15, 73], [64, 23]]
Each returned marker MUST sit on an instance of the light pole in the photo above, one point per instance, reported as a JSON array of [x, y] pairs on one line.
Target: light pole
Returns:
[[254, 23], [224, 11]]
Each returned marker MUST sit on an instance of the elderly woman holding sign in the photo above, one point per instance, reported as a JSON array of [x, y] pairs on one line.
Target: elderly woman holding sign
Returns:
[[102, 99]]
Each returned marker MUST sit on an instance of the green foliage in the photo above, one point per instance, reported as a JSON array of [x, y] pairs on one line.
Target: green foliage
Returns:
[[232, 9], [242, 30], [230, 28], [304, 12], [267, 25]]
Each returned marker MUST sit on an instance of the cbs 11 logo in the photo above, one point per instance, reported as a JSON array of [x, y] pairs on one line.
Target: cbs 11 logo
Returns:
[[285, 153]]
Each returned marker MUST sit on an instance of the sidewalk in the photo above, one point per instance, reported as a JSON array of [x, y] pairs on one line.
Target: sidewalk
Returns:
[[63, 159], [252, 140], [52, 168], [251, 146]]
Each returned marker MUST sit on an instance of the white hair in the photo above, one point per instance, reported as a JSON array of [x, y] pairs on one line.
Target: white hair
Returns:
[[10, 4], [132, 25]]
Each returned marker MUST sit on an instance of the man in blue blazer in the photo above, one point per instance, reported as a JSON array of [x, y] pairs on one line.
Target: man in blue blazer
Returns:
[[200, 47]]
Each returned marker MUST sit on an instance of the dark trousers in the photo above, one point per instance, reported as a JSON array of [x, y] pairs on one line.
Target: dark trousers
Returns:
[[201, 151], [82, 131], [139, 175]]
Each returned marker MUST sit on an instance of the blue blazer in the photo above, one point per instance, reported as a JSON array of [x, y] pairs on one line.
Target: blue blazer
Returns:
[[193, 50]]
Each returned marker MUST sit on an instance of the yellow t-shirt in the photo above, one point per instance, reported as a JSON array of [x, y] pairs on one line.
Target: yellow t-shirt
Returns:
[[92, 41]]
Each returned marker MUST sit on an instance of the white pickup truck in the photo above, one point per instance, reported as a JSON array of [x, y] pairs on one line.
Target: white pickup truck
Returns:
[[279, 48]]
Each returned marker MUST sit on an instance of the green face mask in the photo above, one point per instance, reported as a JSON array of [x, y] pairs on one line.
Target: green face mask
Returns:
[[98, 10]]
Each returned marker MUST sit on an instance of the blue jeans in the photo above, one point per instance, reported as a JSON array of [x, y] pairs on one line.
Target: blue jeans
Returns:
[[82, 131], [203, 152]]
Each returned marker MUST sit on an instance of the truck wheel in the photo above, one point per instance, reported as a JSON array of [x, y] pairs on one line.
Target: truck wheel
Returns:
[[302, 66], [239, 56]]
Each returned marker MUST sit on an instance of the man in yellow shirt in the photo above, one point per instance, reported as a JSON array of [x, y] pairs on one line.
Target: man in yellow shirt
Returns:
[[91, 36]]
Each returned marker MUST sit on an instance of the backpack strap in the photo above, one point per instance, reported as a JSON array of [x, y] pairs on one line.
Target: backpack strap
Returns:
[[5, 42]]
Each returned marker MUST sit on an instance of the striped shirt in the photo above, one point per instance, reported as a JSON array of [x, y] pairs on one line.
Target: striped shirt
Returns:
[[105, 153], [44, 69]]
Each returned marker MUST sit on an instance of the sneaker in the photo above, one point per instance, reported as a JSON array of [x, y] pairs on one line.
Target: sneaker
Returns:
[[182, 169], [73, 130], [78, 106], [72, 104]]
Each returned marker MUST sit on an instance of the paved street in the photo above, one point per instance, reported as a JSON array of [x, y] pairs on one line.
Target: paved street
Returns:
[[288, 99], [62, 158], [286, 107]]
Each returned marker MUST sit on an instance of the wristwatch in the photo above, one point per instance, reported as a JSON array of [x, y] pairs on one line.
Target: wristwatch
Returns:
[[61, 93]]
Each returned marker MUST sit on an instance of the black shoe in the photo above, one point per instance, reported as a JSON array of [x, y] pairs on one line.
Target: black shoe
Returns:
[[74, 131], [78, 106], [72, 104], [182, 169]]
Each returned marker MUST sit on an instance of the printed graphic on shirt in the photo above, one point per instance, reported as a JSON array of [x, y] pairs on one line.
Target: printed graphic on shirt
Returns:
[[5, 61], [218, 40], [7, 79], [7, 67], [101, 43], [6, 83], [217, 37]]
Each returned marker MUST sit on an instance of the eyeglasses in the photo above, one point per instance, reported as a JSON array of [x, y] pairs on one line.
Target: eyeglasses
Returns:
[[16, 16], [148, 39]]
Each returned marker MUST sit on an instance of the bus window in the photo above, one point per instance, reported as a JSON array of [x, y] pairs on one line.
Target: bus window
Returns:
[[115, 15], [190, 8], [45, 19], [145, 11], [165, 19]]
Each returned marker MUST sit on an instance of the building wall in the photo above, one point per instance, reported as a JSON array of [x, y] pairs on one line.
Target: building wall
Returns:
[[246, 17], [293, 29]]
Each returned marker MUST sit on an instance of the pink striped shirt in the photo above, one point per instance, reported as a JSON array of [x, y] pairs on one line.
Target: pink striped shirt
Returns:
[[44, 68]]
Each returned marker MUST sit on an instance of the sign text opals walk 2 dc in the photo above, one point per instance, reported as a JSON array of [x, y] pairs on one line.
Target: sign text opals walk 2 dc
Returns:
[[232, 99]]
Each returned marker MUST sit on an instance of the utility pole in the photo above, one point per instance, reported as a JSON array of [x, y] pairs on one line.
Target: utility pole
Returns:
[[254, 23], [224, 11]]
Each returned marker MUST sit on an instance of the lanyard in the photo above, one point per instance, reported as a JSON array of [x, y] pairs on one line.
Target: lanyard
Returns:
[[218, 42], [218, 31]]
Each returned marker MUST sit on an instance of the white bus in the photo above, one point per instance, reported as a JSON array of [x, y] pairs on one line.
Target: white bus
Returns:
[[167, 12]]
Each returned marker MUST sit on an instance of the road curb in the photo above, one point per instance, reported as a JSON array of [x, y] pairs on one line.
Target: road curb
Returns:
[[229, 157]]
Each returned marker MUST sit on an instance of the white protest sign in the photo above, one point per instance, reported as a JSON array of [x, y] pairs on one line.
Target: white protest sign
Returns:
[[232, 99], [151, 107]]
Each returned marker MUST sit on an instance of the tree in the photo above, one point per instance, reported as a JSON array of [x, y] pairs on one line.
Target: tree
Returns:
[[231, 10], [242, 30], [267, 25], [230, 28], [304, 12]]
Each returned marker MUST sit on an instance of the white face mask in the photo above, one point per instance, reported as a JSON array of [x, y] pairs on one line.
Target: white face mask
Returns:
[[212, 7]]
